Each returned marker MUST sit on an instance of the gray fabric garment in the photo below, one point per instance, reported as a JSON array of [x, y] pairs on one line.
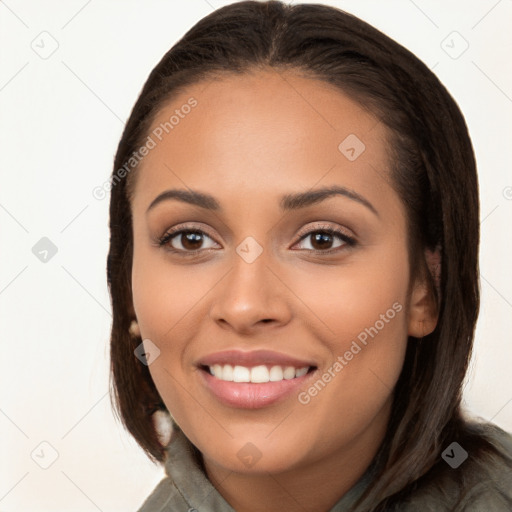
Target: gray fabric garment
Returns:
[[187, 489], [487, 485]]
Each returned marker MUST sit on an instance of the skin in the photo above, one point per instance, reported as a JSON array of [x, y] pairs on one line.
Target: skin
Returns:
[[250, 140]]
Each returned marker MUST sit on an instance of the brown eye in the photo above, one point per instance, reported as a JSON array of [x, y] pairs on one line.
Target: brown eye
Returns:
[[191, 240], [322, 240], [185, 240]]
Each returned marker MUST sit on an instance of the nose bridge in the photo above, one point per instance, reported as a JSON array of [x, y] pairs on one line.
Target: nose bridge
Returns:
[[249, 277], [250, 292]]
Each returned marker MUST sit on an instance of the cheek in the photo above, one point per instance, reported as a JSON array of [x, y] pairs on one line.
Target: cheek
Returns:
[[165, 298], [347, 300], [364, 308], [163, 294]]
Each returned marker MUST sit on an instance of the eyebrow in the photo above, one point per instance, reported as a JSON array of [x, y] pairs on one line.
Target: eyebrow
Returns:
[[287, 202]]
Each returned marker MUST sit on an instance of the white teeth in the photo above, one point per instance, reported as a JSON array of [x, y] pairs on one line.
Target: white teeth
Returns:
[[256, 374], [227, 372], [241, 374], [276, 373], [289, 372], [301, 371], [259, 374]]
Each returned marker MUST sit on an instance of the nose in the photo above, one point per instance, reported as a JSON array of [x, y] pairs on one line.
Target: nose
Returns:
[[251, 295]]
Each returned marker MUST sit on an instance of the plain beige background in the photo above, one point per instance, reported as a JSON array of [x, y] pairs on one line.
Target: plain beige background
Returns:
[[70, 73]]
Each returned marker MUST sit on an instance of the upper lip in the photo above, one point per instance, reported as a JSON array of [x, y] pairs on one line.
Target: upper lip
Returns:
[[252, 358]]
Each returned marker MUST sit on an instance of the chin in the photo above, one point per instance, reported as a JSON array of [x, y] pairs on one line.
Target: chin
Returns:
[[254, 454]]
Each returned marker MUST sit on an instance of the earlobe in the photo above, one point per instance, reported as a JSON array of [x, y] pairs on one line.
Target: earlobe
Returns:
[[423, 310], [422, 325]]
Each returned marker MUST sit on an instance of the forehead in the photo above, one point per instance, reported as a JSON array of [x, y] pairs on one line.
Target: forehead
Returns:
[[264, 132]]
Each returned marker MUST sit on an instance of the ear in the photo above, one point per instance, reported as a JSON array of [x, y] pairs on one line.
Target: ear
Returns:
[[423, 309]]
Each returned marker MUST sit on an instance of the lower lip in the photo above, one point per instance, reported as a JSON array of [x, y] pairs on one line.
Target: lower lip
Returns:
[[251, 395]]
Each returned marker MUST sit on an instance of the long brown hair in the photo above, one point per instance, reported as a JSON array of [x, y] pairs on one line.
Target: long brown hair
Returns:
[[432, 169]]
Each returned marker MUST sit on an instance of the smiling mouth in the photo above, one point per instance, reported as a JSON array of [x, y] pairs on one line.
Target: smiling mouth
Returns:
[[256, 374], [254, 387]]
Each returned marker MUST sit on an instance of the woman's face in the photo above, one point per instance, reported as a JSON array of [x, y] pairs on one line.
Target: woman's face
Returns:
[[258, 283]]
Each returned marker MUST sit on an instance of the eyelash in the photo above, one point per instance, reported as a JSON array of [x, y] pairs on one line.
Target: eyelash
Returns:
[[348, 241]]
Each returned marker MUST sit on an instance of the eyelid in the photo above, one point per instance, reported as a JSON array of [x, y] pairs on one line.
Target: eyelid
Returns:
[[180, 228], [335, 230], [325, 227]]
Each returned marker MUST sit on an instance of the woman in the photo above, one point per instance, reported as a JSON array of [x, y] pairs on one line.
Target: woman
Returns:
[[293, 269]]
